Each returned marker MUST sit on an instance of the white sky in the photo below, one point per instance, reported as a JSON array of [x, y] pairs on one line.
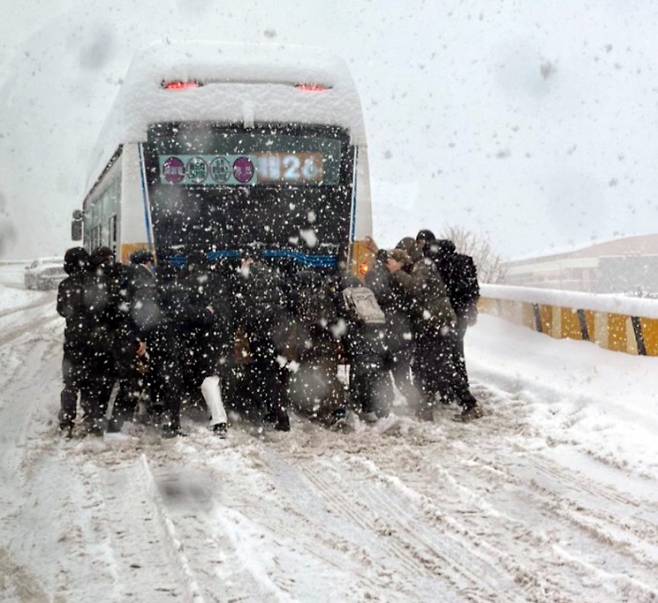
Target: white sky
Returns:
[[530, 121]]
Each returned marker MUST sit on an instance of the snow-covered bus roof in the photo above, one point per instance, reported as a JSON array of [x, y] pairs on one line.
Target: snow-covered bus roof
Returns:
[[240, 84]]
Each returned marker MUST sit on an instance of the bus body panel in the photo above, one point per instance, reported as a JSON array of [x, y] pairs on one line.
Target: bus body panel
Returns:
[[362, 251], [102, 209], [134, 234]]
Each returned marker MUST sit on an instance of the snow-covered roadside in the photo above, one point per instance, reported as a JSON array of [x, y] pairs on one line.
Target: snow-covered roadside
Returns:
[[13, 295], [601, 403]]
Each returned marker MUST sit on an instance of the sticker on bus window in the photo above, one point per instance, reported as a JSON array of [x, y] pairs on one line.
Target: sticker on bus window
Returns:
[[220, 170], [196, 170], [173, 170], [243, 169]]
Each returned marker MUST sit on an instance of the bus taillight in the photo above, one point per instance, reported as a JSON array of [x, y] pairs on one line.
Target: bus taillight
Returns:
[[181, 85], [312, 88]]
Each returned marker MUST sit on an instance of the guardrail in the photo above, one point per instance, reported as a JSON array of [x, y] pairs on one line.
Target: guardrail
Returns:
[[614, 322]]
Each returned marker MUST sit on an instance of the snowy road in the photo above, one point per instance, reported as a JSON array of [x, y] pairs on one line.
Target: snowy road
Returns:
[[544, 499]]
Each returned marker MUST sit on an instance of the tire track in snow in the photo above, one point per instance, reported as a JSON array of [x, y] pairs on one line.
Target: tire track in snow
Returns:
[[192, 589], [541, 508]]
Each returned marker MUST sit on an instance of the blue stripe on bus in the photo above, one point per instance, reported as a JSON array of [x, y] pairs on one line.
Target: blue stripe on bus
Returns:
[[312, 261]]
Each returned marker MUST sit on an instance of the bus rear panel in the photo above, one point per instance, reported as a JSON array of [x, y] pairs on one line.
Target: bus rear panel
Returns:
[[286, 190]]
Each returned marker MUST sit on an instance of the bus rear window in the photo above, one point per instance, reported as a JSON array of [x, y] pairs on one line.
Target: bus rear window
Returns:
[[215, 157]]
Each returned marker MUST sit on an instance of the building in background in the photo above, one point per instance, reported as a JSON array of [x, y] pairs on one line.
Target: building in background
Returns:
[[628, 265]]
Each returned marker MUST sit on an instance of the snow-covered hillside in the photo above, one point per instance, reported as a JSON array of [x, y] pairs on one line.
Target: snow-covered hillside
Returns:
[[552, 496]]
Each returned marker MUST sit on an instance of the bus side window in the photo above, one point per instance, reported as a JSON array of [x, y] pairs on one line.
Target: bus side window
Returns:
[[112, 233]]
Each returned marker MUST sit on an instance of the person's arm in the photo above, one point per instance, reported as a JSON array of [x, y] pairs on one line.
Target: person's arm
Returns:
[[411, 282], [63, 307]]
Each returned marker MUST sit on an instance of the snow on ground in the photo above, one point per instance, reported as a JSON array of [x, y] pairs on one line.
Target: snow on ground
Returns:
[[546, 498], [602, 403]]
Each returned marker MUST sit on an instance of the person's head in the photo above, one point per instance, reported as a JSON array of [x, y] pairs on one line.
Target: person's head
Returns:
[[101, 256], [142, 258], [197, 260], [76, 260], [402, 257], [425, 238], [443, 248], [412, 248]]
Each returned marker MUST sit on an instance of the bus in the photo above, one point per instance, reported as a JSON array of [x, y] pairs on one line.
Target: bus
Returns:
[[220, 148]]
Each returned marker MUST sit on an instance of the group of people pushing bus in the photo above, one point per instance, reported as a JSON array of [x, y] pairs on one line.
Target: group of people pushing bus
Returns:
[[259, 338]]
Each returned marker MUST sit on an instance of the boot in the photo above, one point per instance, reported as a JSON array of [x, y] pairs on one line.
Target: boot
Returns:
[[220, 430], [282, 420], [169, 430], [470, 413]]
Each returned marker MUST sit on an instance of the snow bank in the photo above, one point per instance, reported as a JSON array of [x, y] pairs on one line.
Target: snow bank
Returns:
[[242, 84], [616, 304], [602, 402]]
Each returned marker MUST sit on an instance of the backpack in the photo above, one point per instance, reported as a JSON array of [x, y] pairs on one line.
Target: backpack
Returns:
[[362, 304]]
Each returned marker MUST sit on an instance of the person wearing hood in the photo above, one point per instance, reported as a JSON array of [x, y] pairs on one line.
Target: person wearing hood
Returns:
[[460, 276], [433, 321], [71, 306]]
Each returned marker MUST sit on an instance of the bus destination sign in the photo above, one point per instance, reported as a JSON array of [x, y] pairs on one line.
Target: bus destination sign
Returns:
[[243, 170]]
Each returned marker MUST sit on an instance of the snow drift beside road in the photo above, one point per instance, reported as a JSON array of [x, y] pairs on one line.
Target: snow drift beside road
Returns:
[[604, 403]]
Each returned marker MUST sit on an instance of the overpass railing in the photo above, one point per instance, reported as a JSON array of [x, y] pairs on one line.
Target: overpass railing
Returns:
[[614, 322]]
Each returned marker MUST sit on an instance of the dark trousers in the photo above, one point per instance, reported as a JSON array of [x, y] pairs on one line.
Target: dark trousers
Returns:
[[399, 364], [160, 376], [74, 376], [367, 386], [460, 384], [96, 395], [265, 382], [433, 366]]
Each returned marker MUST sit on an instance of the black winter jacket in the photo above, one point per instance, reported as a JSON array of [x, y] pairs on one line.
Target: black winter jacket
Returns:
[[459, 274]]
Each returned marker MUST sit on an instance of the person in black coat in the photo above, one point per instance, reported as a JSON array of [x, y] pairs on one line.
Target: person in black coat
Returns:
[[313, 347], [262, 317], [148, 344], [460, 276], [207, 331], [70, 305], [101, 298]]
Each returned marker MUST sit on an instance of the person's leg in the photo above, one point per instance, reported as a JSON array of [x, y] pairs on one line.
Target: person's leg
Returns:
[[69, 395], [268, 383], [460, 382], [213, 396], [426, 365], [402, 375], [96, 392]]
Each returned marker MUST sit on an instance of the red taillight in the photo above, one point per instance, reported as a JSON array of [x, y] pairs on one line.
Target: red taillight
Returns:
[[180, 85], [312, 88]]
